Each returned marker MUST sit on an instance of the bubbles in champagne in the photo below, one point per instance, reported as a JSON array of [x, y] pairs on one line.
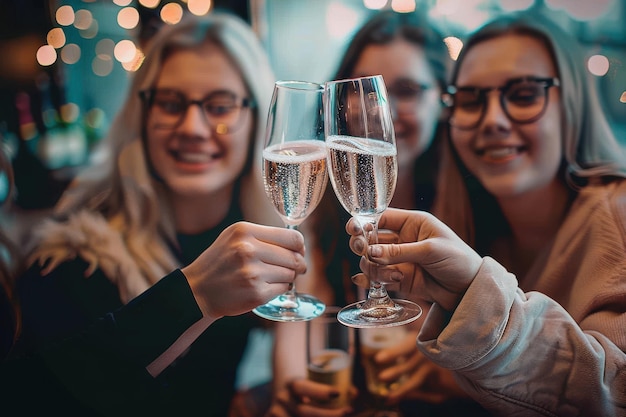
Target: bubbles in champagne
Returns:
[[363, 174], [295, 176]]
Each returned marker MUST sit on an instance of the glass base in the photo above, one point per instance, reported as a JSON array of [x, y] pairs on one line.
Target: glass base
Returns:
[[284, 308], [402, 312]]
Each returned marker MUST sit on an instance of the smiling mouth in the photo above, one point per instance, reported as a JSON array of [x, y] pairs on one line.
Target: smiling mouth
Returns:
[[501, 152], [193, 157]]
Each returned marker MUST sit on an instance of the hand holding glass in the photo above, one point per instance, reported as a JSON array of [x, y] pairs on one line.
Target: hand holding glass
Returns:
[[363, 171], [295, 176]]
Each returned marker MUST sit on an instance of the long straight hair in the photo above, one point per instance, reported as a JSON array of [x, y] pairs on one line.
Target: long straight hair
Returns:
[[385, 27], [122, 188], [590, 150]]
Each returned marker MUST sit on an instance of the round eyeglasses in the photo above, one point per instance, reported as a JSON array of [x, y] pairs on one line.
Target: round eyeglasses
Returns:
[[223, 110], [523, 100]]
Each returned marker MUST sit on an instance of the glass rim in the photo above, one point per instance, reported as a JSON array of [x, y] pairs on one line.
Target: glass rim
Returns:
[[299, 85], [353, 79]]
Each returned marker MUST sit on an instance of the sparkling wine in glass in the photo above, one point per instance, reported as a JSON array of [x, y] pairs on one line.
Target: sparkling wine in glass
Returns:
[[362, 159], [295, 175]]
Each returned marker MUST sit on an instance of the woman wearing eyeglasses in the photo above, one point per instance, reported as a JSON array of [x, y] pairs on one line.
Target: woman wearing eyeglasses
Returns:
[[531, 320], [171, 208]]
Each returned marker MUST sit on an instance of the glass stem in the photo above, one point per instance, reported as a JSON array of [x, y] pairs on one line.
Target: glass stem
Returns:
[[377, 296], [290, 294]]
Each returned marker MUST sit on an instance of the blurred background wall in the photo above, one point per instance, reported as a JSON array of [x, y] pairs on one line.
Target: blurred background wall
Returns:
[[66, 64]]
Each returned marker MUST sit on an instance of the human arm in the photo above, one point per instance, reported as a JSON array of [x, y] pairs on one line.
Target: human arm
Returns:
[[246, 266], [128, 344], [517, 353], [101, 367]]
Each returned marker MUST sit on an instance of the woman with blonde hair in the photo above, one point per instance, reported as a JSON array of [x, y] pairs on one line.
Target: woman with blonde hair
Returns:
[[175, 205]]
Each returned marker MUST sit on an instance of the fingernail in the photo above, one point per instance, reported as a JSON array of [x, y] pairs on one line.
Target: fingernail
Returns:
[[376, 251]]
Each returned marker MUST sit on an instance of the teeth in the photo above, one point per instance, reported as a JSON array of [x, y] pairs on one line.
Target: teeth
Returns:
[[500, 152], [193, 157]]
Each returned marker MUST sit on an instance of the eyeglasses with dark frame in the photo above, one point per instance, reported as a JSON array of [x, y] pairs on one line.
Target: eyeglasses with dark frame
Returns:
[[523, 100], [223, 110]]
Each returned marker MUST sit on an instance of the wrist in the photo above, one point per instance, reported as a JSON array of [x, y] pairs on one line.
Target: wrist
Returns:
[[198, 293]]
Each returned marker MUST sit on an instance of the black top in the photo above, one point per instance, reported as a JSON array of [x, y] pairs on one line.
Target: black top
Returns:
[[117, 346], [7, 322], [100, 370]]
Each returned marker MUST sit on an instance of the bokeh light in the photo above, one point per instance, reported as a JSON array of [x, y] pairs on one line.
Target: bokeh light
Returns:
[[622, 98], [102, 65], [70, 54], [403, 6], [598, 65], [91, 32], [454, 46], [171, 13], [83, 19], [122, 3], [150, 4], [46, 55], [374, 4], [95, 117], [105, 47], [128, 18], [69, 112], [125, 50], [65, 15], [135, 63], [56, 38], [199, 7]]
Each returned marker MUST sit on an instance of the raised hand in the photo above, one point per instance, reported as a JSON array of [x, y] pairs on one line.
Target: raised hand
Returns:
[[247, 265], [428, 258]]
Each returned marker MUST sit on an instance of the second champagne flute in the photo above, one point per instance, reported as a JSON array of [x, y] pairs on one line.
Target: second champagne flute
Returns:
[[295, 176], [363, 170]]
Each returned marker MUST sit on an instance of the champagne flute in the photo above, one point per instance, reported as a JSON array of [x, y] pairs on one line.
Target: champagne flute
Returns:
[[363, 172], [295, 175]]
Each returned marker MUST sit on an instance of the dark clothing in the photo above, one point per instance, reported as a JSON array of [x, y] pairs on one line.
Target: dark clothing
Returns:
[[201, 381], [101, 369], [7, 322]]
